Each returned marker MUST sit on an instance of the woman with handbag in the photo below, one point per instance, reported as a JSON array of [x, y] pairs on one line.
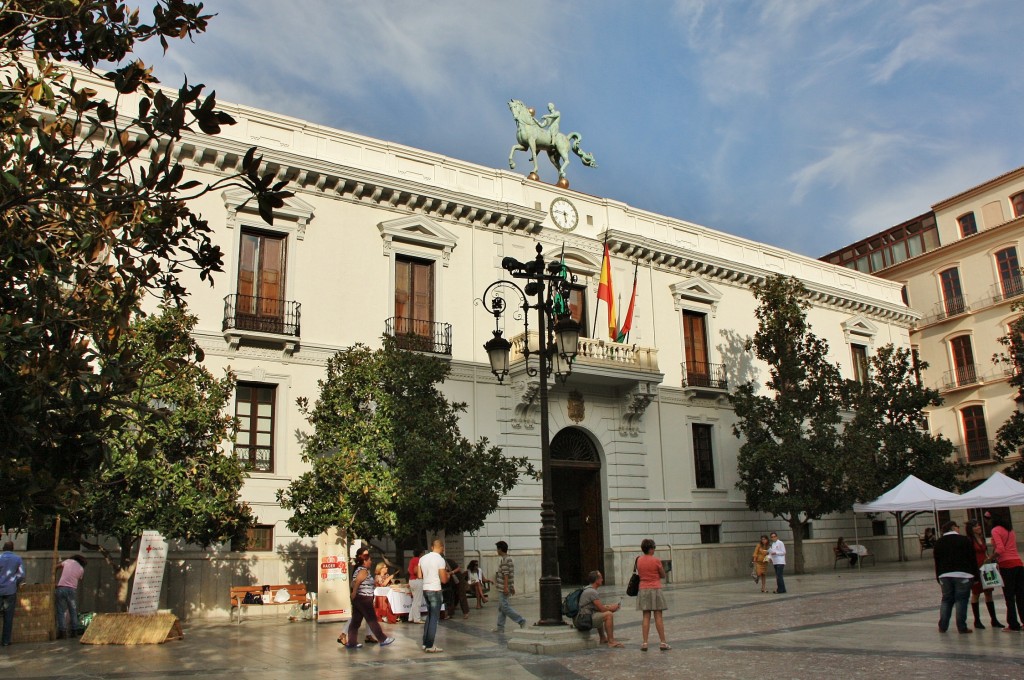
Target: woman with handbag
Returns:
[[650, 598], [1011, 569], [362, 605], [761, 561], [977, 535]]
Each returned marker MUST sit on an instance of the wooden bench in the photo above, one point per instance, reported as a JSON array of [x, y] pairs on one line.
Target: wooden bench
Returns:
[[296, 595], [866, 555]]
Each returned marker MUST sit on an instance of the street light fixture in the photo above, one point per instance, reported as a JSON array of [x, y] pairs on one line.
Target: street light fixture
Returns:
[[558, 342]]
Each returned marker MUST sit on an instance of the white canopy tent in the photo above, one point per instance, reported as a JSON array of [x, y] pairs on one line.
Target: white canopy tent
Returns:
[[911, 495], [998, 490]]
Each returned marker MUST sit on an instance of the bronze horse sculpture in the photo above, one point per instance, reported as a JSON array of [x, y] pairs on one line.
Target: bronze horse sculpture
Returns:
[[532, 136]]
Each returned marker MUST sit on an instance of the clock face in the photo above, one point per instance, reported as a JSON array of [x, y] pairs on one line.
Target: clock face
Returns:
[[564, 214]]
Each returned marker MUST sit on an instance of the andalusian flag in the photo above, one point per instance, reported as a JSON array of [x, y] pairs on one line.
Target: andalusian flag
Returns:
[[604, 291], [624, 330]]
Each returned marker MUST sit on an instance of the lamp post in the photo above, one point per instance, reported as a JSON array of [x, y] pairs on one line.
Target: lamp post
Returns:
[[558, 340]]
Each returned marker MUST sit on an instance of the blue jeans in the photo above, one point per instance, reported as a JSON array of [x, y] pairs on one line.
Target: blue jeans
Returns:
[[958, 591], [433, 598], [7, 605], [505, 609], [67, 604], [780, 583]]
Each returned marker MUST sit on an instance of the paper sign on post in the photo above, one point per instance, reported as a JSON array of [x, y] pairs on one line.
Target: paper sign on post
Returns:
[[149, 574]]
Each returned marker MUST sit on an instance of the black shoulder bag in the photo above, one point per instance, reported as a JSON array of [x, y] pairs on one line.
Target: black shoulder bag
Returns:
[[633, 589]]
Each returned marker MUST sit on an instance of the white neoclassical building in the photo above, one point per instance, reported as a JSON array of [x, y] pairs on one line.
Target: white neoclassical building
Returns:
[[381, 238]]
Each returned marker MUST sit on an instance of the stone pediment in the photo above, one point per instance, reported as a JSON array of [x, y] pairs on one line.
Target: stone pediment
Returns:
[[857, 327], [294, 209], [420, 231]]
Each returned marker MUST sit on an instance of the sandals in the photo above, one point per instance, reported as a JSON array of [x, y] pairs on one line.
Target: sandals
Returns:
[[643, 647], [664, 647], [343, 639]]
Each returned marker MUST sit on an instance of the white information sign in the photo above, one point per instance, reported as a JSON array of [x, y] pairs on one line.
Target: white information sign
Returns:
[[149, 574], [334, 601]]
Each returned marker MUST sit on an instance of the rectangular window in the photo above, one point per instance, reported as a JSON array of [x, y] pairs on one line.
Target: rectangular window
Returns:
[[261, 303], [914, 245], [877, 261], [975, 434], [860, 363], [879, 527], [254, 409], [915, 360], [952, 295], [963, 360], [260, 538], [1009, 273], [695, 337], [710, 533], [806, 531], [1018, 204], [968, 225], [703, 459], [414, 297]]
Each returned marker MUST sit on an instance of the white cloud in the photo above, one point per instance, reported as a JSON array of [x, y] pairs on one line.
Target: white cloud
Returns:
[[849, 163]]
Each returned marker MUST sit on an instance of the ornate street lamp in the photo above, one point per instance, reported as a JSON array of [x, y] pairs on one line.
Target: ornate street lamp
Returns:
[[558, 341]]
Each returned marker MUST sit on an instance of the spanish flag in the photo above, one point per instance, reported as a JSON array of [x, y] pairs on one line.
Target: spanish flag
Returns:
[[625, 328], [604, 291]]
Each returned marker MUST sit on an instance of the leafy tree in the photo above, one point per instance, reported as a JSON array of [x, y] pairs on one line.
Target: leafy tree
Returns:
[[791, 462], [94, 216], [888, 437], [166, 470], [386, 453], [1010, 436]]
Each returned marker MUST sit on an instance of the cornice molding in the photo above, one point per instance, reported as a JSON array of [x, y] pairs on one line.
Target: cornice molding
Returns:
[[688, 262]]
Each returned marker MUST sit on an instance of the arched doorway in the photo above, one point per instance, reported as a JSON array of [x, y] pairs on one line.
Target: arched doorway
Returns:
[[579, 512]]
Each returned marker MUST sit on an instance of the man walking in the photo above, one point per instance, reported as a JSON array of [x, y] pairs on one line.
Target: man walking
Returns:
[[12, 573], [505, 580], [434, 572], [777, 553], [956, 568]]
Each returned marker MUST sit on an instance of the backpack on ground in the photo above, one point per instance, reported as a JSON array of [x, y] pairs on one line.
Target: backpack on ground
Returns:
[[571, 604]]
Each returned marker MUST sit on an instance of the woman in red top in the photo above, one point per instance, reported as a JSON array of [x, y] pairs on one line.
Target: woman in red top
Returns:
[[977, 536], [1011, 568], [650, 598]]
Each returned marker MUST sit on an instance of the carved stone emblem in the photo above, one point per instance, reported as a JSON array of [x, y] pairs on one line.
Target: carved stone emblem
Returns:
[[576, 406]]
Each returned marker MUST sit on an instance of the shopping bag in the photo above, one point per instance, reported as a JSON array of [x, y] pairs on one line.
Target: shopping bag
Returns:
[[990, 577]]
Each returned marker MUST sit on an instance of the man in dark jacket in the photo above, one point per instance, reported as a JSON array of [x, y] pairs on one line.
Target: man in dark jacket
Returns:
[[955, 569]]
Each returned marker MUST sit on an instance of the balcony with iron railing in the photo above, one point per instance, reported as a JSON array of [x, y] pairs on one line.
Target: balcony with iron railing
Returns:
[[701, 375], [978, 451], [954, 305], [420, 335], [255, 458], [961, 376], [264, 319], [1007, 289]]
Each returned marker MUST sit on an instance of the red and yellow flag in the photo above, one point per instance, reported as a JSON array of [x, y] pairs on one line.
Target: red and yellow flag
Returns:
[[605, 292], [624, 330]]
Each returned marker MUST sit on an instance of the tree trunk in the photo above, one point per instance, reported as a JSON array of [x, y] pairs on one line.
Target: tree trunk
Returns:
[[901, 551], [797, 527]]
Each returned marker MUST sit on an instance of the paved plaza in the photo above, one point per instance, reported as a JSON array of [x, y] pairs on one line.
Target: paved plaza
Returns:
[[872, 623]]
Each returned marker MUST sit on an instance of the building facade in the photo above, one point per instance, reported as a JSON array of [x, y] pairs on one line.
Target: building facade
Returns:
[[383, 239], [965, 288]]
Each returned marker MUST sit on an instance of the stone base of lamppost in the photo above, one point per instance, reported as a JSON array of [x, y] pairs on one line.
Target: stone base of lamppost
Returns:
[[552, 639]]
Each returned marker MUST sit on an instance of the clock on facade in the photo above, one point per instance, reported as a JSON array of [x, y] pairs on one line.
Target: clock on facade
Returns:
[[563, 214]]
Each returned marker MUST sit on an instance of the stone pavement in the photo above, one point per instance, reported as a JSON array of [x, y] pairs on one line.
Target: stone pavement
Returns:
[[876, 622]]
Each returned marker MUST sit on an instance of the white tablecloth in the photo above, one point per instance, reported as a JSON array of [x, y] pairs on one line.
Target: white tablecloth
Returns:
[[400, 601]]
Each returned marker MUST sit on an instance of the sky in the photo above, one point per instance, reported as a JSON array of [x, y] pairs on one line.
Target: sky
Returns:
[[805, 124]]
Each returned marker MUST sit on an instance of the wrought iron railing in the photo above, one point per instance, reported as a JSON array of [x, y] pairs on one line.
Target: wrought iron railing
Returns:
[[954, 305], [1008, 288], [255, 458], [703, 374], [968, 374], [262, 315], [978, 451], [419, 335]]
